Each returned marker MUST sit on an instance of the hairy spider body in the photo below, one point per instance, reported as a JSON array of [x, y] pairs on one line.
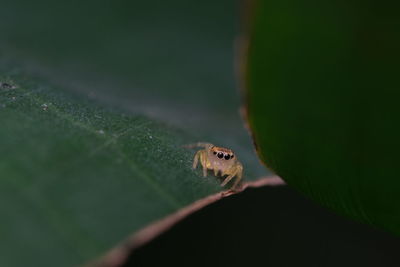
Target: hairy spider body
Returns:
[[222, 161]]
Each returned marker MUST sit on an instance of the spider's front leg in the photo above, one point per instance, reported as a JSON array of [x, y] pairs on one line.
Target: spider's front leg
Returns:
[[216, 171], [239, 177], [237, 170]]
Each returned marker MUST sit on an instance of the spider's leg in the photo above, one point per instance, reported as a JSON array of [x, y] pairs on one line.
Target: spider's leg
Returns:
[[203, 161], [230, 176], [199, 144], [216, 171], [237, 170], [239, 176], [196, 159]]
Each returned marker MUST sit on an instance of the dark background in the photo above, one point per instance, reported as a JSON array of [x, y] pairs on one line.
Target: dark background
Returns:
[[269, 226]]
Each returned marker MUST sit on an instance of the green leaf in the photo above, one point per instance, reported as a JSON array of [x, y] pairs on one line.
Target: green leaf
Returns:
[[77, 176], [322, 102], [77, 179]]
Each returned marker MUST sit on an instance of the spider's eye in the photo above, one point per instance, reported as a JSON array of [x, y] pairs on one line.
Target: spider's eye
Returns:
[[220, 155], [232, 156], [227, 156], [215, 153]]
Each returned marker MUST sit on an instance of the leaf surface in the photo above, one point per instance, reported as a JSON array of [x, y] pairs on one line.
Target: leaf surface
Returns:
[[106, 93]]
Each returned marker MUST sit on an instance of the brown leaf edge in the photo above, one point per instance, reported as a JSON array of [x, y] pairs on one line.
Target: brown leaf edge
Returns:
[[117, 256]]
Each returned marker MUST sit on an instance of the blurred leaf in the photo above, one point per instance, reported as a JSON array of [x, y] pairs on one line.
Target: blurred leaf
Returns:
[[323, 94], [78, 176]]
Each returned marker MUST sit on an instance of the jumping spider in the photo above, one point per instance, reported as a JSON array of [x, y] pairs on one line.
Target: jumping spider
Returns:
[[221, 160]]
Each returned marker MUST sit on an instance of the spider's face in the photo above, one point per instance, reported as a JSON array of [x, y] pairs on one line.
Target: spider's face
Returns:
[[222, 154]]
